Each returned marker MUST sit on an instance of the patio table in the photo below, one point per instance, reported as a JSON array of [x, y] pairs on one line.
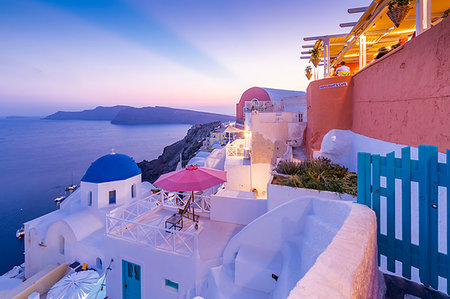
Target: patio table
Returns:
[[174, 221]]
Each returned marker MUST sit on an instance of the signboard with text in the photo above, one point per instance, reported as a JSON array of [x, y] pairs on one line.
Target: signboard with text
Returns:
[[333, 85]]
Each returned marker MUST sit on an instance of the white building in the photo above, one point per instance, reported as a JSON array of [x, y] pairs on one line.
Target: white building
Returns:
[[75, 232]]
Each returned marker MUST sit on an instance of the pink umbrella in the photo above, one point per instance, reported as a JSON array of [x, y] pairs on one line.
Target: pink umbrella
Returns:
[[191, 178]]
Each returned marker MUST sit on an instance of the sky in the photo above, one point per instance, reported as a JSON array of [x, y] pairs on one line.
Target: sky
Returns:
[[195, 54]]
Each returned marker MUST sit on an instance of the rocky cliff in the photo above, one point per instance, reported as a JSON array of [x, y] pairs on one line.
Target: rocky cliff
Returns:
[[188, 146]]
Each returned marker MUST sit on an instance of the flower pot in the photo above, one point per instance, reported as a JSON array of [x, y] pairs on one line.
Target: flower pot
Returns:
[[398, 14], [308, 76], [315, 61]]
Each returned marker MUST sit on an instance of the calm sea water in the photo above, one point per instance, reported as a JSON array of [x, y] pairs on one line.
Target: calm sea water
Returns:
[[40, 158]]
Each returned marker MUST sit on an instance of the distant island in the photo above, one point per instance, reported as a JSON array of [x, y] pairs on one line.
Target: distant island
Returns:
[[126, 115]]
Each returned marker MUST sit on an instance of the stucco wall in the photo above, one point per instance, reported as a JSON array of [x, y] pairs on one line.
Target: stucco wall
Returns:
[[236, 210], [238, 176], [155, 267], [270, 131], [278, 195], [329, 106], [405, 96], [307, 242], [348, 268]]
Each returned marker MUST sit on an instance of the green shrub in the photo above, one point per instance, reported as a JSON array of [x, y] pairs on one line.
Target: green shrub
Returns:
[[319, 174], [287, 167]]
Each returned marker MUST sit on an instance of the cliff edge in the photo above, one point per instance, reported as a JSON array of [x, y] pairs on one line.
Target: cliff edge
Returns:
[[188, 146]]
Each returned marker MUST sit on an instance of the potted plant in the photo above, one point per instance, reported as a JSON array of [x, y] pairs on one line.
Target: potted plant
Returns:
[[398, 9], [308, 72], [315, 56]]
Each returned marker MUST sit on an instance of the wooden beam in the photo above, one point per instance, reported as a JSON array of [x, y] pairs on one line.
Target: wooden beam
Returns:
[[357, 9], [351, 24], [377, 10], [308, 46], [311, 38]]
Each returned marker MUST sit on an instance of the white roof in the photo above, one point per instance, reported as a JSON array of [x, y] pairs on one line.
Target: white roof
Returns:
[[199, 161], [216, 159], [279, 94], [83, 223]]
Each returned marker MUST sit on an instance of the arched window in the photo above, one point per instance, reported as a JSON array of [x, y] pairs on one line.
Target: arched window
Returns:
[[112, 197], [61, 244], [99, 263], [133, 191]]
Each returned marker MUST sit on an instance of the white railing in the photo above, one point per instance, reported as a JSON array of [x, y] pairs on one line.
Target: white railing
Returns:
[[170, 240], [124, 222], [201, 203], [264, 106], [236, 148]]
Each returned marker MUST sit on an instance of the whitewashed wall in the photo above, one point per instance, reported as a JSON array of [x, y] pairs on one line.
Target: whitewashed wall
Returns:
[[101, 191], [238, 176], [236, 210], [297, 241], [278, 195], [156, 265]]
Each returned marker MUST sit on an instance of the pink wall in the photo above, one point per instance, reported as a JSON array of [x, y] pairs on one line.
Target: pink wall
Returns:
[[329, 106], [405, 96], [248, 95]]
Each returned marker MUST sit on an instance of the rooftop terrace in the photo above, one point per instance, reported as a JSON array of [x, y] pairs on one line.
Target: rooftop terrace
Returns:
[[143, 222]]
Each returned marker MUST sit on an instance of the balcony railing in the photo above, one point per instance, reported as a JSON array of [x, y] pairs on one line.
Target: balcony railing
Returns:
[[264, 106], [170, 240], [127, 222], [236, 148]]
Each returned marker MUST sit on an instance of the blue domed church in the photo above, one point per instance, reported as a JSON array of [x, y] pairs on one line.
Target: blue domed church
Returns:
[[111, 180], [75, 232]]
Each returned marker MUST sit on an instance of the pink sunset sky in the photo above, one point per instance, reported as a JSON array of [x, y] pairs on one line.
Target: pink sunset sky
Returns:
[[72, 55]]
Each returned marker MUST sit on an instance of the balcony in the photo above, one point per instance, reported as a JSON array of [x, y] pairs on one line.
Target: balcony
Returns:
[[238, 149], [143, 222], [264, 106]]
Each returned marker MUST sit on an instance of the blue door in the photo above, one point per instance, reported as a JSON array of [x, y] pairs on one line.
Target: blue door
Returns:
[[131, 280]]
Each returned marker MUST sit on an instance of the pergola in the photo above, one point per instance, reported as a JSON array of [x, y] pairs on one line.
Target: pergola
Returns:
[[373, 31]]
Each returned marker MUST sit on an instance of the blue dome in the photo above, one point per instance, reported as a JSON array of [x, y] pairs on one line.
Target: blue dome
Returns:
[[112, 167]]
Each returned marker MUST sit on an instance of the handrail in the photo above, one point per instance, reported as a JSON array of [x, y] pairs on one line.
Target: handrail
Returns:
[[181, 242], [236, 148], [123, 222]]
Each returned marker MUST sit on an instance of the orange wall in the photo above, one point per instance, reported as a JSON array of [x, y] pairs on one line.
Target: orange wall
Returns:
[[405, 96], [327, 109]]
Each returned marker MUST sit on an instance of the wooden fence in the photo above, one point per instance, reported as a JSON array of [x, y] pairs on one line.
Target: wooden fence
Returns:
[[429, 174]]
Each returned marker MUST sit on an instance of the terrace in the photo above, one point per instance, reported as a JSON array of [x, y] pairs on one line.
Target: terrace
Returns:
[[373, 30], [143, 222]]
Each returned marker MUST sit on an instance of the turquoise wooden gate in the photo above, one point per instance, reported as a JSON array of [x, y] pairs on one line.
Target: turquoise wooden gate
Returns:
[[429, 174]]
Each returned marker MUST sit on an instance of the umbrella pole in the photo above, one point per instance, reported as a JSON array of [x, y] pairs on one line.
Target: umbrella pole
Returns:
[[193, 207]]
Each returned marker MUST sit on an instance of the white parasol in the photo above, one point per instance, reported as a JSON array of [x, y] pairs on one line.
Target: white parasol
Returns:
[[77, 285]]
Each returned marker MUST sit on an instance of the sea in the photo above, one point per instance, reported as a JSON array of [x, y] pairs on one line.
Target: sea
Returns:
[[40, 158]]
